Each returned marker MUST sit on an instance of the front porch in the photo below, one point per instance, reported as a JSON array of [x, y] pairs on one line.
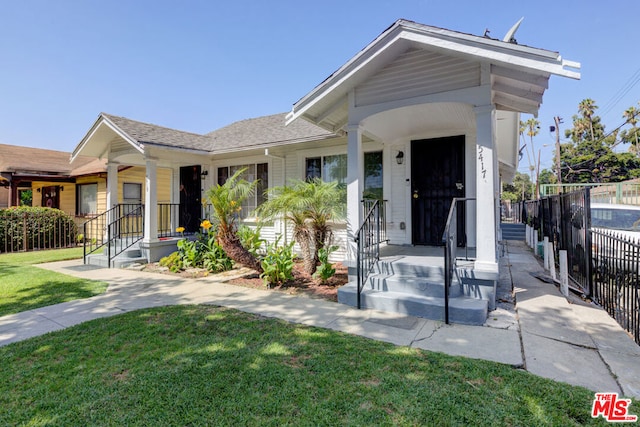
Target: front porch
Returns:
[[115, 238], [411, 280]]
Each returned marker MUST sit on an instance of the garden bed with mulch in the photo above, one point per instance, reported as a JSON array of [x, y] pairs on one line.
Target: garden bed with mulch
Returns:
[[302, 283]]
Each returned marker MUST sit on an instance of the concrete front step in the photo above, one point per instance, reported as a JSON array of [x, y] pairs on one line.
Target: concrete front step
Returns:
[[409, 266], [411, 285], [462, 309], [101, 260], [513, 231]]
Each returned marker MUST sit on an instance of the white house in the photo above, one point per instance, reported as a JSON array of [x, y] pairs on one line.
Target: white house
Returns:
[[433, 112]]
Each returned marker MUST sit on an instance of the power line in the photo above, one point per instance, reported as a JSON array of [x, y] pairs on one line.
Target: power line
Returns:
[[617, 97]]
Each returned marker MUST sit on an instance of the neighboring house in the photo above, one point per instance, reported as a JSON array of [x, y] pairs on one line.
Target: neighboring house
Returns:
[[77, 188], [432, 113]]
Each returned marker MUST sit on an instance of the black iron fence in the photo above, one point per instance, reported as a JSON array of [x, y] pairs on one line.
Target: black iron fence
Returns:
[[565, 220], [604, 264], [35, 229], [616, 271]]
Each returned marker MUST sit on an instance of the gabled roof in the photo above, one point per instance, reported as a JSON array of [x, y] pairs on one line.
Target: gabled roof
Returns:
[[260, 132], [41, 162], [146, 133], [519, 73], [264, 132]]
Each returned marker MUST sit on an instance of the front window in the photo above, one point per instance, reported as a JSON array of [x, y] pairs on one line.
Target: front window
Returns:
[[327, 168], [131, 193], [256, 171], [373, 175], [86, 199]]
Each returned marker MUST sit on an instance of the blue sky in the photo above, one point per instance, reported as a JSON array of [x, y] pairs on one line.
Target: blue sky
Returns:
[[200, 65]]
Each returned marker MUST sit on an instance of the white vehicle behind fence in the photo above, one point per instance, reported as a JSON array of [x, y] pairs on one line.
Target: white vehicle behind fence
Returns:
[[616, 237]]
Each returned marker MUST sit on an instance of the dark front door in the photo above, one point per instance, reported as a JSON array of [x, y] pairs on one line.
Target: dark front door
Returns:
[[437, 176], [190, 194], [51, 196]]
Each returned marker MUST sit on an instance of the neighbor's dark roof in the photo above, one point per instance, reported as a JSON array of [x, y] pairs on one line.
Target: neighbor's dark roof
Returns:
[[266, 130]]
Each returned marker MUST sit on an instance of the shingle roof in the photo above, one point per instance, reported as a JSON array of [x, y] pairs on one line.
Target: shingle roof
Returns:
[[243, 134], [266, 130], [146, 133], [39, 161]]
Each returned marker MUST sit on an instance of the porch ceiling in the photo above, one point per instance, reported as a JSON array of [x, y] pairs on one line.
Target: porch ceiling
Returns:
[[407, 122]]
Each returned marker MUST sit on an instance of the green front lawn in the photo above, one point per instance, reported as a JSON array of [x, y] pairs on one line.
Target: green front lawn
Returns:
[[201, 365], [24, 286]]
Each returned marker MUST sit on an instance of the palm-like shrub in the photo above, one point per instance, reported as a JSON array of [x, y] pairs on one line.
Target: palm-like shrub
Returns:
[[226, 201], [310, 206]]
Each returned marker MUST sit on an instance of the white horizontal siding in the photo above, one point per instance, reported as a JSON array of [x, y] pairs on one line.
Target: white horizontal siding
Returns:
[[416, 73]]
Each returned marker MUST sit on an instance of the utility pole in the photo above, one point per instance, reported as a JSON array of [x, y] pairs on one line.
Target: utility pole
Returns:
[[558, 121]]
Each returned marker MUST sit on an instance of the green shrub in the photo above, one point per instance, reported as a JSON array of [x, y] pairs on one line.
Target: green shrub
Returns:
[[27, 228], [203, 252], [215, 259], [325, 270], [277, 264], [251, 240], [189, 253], [173, 262]]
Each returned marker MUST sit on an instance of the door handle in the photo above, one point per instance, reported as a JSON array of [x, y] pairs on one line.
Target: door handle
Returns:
[[415, 194]]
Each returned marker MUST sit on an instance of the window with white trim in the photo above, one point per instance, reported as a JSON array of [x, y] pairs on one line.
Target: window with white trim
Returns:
[[327, 168], [373, 175], [86, 199], [255, 171], [131, 193]]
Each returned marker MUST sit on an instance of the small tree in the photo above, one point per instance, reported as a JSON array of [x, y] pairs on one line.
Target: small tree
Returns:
[[226, 201], [310, 206]]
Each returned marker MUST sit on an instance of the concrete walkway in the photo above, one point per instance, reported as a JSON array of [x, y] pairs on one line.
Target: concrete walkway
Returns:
[[543, 332]]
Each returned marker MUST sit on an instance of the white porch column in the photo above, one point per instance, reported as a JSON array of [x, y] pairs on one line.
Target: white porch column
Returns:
[[355, 165], [486, 190], [112, 184], [112, 194], [151, 203]]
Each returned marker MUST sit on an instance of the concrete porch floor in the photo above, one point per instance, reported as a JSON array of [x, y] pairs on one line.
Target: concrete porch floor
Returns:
[[426, 255]]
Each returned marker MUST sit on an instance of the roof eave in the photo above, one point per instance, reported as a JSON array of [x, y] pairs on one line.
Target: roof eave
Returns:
[[484, 49], [104, 120]]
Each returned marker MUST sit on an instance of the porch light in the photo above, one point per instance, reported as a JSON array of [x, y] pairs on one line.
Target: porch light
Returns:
[[400, 157]]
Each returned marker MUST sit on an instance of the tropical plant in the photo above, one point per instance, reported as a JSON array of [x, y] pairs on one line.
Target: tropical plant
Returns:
[[310, 207], [215, 259], [278, 263], [530, 128], [189, 253], [226, 201], [251, 239], [590, 156], [172, 261], [325, 270]]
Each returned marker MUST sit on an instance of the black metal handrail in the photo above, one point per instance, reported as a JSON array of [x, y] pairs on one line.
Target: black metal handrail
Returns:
[[125, 230], [93, 232], [368, 239], [115, 223], [450, 240]]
